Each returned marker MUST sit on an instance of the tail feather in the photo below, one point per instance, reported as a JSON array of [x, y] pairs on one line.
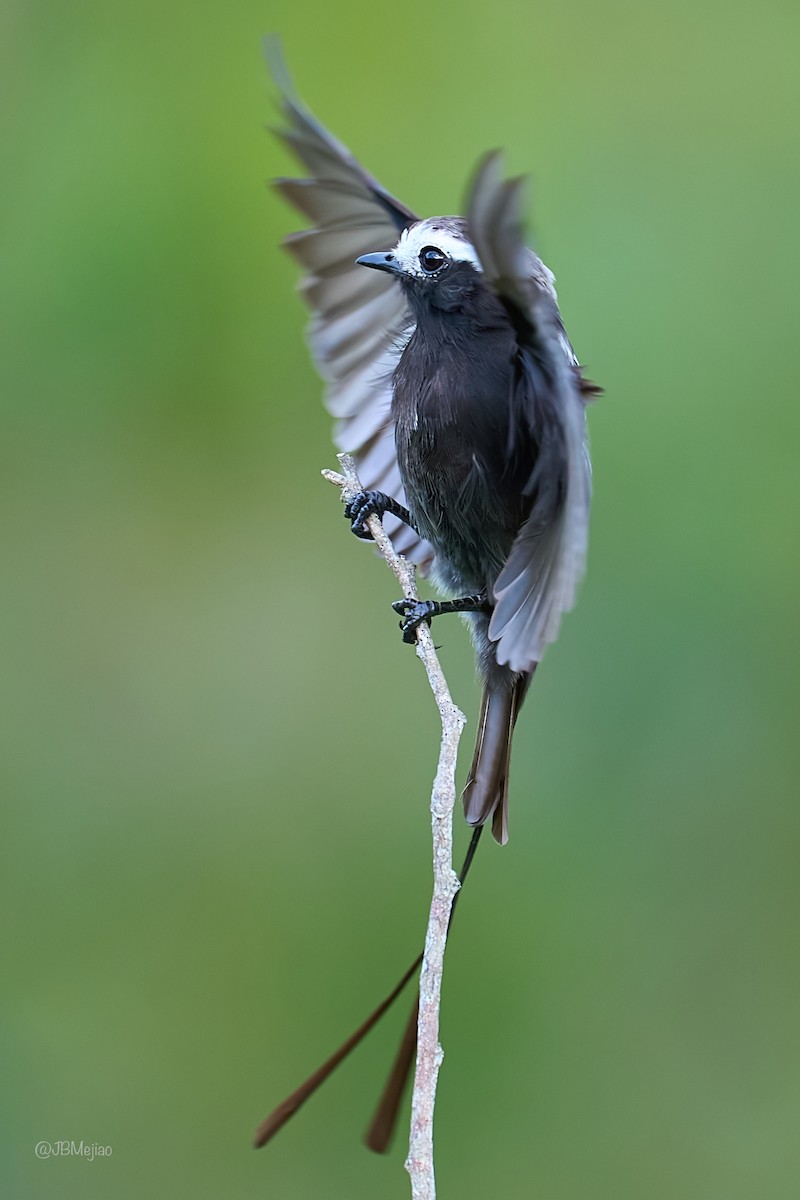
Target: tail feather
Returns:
[[383, 1123], [486, 791], [380, 1132]]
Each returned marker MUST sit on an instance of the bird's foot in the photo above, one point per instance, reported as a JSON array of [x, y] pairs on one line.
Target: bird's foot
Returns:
[[414, 612], [372, 504]]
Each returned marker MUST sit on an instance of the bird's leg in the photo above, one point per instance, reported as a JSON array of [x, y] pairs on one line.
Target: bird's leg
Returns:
[[414, 612], [369, 504]]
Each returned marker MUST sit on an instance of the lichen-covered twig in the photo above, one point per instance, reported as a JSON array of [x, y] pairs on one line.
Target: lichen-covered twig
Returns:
[[419, 1163]]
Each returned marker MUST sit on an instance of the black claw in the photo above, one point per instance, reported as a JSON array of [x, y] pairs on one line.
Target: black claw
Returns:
[[414, 613], [373, 503], [360, 508]]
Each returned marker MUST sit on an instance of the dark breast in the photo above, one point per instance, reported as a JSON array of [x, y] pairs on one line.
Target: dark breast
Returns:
[[453, 405]]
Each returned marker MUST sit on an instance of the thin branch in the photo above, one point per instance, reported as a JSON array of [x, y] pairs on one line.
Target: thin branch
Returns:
[[419, 1163]]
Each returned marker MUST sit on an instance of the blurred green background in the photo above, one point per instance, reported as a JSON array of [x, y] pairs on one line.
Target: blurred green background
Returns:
[[217, 754]]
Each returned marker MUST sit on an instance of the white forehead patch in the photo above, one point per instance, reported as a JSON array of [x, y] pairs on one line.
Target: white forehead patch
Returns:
[[431, 233]]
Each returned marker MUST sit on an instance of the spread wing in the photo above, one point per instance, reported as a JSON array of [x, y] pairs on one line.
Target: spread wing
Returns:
[[539, 580], [360, 322]]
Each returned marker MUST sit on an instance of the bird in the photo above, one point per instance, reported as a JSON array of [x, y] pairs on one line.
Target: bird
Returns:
[[454, 385]]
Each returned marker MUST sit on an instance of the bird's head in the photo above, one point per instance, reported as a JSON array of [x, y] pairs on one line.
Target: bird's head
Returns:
[[435, 262]]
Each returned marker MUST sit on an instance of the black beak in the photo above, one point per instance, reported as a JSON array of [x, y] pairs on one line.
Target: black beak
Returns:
[[381, 262]]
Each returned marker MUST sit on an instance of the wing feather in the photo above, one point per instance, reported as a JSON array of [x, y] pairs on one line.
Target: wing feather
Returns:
[[539, 580], [360, 322]]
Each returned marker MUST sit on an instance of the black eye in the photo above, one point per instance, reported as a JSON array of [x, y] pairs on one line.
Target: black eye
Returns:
[[431, 259]]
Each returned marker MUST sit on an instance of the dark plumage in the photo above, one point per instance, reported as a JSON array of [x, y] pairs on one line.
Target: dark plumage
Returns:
[[454, 385], [487, 410], [466, 461], [461, 398]]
